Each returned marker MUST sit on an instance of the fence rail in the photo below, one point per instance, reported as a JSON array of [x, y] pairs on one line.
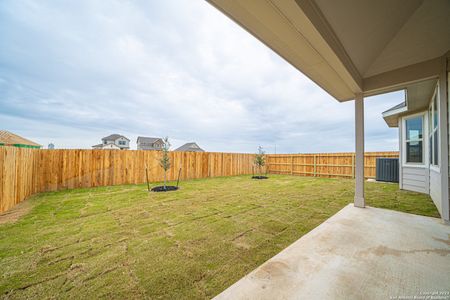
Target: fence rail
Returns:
[[324, 164], [24, 172]]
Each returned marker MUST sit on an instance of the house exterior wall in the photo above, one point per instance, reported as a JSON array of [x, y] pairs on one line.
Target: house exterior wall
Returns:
[[110, 146], [447, 89], [427, 178], [415, 179], [124, 141], [149, 146], [435, 188], [120, 142], [400, 151]]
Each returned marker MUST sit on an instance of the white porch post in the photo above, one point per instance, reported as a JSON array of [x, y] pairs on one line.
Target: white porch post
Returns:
[[443, 136], [359, 149]]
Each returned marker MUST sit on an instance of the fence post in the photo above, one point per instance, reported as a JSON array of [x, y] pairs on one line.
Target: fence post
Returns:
[[314, 165], [353, 165]]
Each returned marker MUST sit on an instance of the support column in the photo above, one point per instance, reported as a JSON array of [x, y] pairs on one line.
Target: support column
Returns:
[[359, 151], [443, 136]]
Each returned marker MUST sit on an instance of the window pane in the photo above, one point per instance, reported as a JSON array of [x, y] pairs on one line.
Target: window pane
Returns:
[[414, 152], [414, 129], [435, 114], [436, 148]]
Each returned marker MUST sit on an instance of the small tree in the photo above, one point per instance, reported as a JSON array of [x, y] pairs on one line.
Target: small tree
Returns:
[[164, 162], [260, 159]]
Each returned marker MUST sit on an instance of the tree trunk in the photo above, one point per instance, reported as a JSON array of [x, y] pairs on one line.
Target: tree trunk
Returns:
[[165, 179]]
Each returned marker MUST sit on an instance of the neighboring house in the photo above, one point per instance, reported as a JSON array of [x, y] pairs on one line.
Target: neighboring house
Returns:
[[149, 143], [418, 121], [10, 139], [114, 141], [190, 147]]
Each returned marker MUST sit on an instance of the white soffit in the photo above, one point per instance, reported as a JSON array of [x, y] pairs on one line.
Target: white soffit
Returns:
[[365, 27], [385, 35], [418, 96], [426, 35], [351, 46]]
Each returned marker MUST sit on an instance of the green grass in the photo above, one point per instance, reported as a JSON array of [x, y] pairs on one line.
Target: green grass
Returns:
[[123, 242]]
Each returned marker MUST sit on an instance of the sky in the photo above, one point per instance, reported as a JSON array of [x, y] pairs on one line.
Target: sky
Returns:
[[72, 72]]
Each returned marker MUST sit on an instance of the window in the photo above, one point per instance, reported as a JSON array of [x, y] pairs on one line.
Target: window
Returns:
[[414, 140], [433, 130], [122, 143]]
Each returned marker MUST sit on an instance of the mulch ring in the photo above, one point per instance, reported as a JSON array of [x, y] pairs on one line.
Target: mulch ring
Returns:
[[260, 177], [167, 188]]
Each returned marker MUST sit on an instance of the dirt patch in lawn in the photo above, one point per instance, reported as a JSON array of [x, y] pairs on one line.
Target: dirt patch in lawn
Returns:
[[16, 212]]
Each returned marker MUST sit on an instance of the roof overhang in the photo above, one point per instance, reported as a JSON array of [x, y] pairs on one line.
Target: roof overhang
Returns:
[[352, 46], [417, 99]]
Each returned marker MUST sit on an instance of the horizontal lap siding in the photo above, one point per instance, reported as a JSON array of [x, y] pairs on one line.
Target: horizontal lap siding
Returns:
[[435, 189], [24, 172], [415, 179]]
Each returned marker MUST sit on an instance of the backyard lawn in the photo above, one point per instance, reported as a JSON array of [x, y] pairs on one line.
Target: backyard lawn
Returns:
[[123, 242]]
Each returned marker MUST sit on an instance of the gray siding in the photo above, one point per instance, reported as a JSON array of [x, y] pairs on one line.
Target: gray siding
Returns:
[[435, 189], [400, 151], [448, 126], [150, 146], [415, 179]]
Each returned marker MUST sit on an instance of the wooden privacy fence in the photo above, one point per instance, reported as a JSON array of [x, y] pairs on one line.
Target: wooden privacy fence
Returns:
[[324, 164], [24, 172]]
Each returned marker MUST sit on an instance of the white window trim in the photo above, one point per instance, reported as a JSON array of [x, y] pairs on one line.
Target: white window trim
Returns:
[[424, 163], [435, 168]]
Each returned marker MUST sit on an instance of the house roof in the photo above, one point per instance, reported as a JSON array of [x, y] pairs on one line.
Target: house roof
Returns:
[[354, 46], [144, 139], [98, 145], [396, 107], [114, 137], [9, 138], [190, 147]]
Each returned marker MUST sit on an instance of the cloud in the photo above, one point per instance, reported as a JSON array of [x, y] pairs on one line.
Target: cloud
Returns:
[[71, 73]]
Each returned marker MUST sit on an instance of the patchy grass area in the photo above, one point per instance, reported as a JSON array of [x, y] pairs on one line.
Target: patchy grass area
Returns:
[[123, 242]]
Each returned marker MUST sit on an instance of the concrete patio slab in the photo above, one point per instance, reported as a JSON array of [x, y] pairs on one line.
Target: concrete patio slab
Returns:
[[359, 253]]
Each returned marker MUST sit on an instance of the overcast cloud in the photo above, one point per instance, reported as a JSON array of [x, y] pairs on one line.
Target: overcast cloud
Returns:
[[72, 72]]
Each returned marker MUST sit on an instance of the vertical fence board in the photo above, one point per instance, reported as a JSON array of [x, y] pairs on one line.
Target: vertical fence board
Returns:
[[324, 164]]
